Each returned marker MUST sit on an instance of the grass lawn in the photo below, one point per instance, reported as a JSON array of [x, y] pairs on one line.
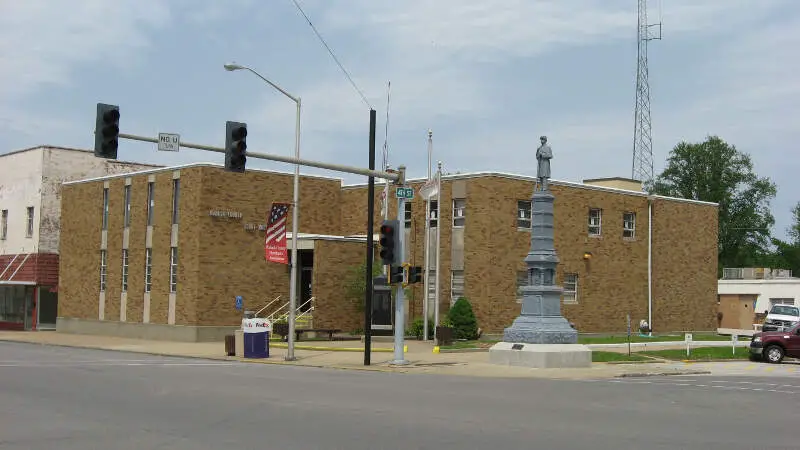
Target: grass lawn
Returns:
[[468, 344], [701, 353], [615, 357], [622, 339]]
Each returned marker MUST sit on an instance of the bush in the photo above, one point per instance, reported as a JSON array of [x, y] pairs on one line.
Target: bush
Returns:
[[465, 325], [418, 328]]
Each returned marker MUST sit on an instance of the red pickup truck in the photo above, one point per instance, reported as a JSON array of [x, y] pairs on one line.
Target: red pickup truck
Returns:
[[773, 346]]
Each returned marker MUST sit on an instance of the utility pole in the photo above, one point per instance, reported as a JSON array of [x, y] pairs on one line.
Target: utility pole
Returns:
[[642, 167], [369, 282]]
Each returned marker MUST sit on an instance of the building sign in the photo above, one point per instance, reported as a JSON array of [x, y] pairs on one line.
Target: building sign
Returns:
[[225, 214], [255, 227]]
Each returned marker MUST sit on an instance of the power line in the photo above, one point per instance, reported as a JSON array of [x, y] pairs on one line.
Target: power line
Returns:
[[364, 98]]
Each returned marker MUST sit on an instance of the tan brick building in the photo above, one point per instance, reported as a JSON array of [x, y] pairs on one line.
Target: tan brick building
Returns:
[[173, 247]]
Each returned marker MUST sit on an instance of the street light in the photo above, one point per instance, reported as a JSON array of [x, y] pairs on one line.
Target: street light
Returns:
[[295, 200]]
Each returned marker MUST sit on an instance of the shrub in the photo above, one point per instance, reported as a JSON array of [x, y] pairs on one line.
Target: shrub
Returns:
[[418, 328], [465, 325]]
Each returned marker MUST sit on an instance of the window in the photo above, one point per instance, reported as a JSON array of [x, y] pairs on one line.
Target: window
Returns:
[[570, 285], [103, 268], [407, 215], [173, 269], [524, 214], [150, 202], [431, 285], [781, 301], [124, 270], [148, 269], [4, 225], [434, 213], [459, 207], [522, 280], [595, 221], [176, 192], [105, 208], [629, 225], [29, 227], [127, 206], [456, 285]]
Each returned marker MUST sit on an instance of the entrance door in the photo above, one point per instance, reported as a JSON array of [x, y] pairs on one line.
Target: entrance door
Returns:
[[306, 293]]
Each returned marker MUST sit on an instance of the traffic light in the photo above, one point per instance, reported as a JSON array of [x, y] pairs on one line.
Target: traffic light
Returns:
[[390, 242], [414, 274], [235, 146], [396, 274], [106, 131]]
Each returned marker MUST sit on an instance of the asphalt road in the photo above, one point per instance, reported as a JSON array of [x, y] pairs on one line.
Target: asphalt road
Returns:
[[62, 398]]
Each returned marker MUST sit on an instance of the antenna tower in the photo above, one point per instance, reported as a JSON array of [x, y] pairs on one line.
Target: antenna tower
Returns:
[[642, 137]]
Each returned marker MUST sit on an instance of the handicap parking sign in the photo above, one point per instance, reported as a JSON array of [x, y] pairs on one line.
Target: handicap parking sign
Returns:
[[239, 302]]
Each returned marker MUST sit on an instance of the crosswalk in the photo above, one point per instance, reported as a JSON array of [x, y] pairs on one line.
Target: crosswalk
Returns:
[[709, 384]]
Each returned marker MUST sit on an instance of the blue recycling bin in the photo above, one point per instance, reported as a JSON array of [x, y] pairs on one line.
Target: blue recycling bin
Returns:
[[256, 338]]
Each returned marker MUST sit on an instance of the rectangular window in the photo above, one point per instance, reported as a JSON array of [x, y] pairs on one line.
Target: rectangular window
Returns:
[[456, 285], [595, 221], [105, 208], [459, 208], [176, 192], [150, 202], [407, 214], [629, 225], [148, 269], [570, 285], [434, 213], [127, 219], [124, 270], [4, 225], [29, 227], [781, 301], [431, 285], [524, 214], [173, 269], [103, 270]]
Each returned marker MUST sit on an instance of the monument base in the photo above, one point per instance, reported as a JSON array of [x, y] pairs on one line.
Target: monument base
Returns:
[[540, 330], [541, 356]]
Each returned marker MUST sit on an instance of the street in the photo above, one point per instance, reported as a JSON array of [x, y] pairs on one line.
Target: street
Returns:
[[65, 398]]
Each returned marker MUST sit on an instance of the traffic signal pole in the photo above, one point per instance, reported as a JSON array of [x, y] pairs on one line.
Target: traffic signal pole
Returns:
[[369, 282], [399, 302], [395, 176]]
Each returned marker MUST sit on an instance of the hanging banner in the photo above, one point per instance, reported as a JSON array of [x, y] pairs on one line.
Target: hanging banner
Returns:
[[275, 241]]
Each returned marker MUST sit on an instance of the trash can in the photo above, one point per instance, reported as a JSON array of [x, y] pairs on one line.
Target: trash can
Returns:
[[256, 338]]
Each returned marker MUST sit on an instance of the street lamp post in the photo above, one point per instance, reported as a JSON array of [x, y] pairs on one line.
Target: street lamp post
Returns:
[[295, 203]]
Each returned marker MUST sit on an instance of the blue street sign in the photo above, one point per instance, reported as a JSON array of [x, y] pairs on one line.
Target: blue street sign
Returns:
[[239, 302]]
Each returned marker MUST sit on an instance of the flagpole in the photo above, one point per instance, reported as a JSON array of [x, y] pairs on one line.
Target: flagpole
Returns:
[[385, 201], [425, 296], [438, 246]]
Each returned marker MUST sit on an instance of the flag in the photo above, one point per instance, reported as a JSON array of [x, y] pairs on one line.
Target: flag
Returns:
[[275, 242], [431, 188]]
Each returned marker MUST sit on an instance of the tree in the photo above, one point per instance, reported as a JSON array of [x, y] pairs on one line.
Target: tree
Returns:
[[355, 285], [787, 253], [715, 171]]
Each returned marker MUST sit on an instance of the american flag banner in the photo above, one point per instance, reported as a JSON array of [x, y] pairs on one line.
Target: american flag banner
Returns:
[[275, 242]]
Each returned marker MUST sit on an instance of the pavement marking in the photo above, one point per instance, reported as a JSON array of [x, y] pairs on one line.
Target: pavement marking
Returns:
[[747, 386]]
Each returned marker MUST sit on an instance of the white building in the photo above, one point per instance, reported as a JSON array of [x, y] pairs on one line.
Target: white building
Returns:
[[30, 210], [771, 286]]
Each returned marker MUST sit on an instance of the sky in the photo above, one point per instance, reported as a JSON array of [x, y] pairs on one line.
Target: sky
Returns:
[[488, 77]]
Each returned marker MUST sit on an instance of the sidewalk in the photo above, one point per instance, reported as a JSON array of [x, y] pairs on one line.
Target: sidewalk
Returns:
[[420, 356]]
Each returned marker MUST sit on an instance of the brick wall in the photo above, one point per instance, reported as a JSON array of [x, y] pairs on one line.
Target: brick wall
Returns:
[[611, 284], [40, 268], [333, 270]]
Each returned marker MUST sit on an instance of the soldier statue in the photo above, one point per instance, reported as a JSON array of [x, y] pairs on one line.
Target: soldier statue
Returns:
[[543, 156]]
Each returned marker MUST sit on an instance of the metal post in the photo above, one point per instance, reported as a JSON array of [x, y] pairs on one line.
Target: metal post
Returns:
[[399, 309], [427, 242], [295, 225], [368, 282], [438, 246]]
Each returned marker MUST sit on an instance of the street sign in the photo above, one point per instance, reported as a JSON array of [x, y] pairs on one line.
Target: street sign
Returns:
[[239, 302], [688, 337], [405, 192], [168, 142], [734, 341]]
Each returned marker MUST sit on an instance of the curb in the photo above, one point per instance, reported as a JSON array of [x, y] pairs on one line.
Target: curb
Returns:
[[123, 350], [337, 349], [661, 374]]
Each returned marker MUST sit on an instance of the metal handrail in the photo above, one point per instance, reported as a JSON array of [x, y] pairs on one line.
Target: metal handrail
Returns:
[[268, 305], [285, 315]]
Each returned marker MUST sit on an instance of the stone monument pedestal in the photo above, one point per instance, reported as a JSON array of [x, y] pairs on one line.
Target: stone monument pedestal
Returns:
[[541, 356]]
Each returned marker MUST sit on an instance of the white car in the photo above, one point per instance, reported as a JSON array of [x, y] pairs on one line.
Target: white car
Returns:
[[781, 318]]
